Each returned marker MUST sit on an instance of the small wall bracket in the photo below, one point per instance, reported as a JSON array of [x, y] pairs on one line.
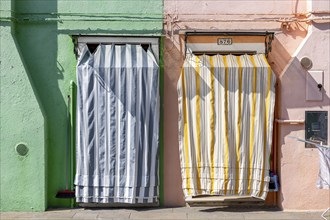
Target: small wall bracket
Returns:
[[268, 43]]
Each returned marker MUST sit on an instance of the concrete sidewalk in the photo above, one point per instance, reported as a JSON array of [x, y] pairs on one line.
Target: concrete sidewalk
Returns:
[[201, 213]]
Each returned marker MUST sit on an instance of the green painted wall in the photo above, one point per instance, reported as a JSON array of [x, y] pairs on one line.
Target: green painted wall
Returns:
[[37, 65], [23, 179]]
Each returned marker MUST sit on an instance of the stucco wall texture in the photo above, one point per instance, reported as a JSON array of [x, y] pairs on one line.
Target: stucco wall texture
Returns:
[[298, 165], [38, 63], [22, 178]]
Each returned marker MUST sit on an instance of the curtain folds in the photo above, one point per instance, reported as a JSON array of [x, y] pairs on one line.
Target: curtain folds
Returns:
[[117, 125], [226, 108]]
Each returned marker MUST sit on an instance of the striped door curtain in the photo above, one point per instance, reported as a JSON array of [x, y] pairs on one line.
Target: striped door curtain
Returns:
[[226, 107], [117, 125]]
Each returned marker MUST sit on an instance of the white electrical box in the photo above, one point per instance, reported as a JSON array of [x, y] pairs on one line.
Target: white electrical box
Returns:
[[314, 86]]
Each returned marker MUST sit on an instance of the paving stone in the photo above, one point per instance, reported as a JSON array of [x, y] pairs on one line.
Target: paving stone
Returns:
[[113, 219], [85, 215], [270, 216], [154, 210], [159, 215], [59, 215], [29, 215], [114, 214], [8, 215], [202, 213], [105, 218], [189, 209], [214, 215], [306, 215]]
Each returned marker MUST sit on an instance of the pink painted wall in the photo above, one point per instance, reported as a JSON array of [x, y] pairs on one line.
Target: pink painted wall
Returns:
[[297, 166]]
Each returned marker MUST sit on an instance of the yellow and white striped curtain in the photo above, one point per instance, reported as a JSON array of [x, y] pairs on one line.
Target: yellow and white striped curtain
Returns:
[[226, 110]]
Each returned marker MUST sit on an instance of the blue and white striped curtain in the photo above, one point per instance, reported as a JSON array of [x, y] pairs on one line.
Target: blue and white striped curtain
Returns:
[[226, 111], [117, 125]]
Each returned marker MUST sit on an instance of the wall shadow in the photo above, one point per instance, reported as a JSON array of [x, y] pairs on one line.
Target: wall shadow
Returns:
[[22, 116], [36, 40]]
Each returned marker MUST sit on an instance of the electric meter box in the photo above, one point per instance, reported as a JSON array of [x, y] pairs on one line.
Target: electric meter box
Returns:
[[316, 127]]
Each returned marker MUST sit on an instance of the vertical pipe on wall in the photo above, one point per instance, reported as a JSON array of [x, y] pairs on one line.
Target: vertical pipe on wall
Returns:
[[274, 155], [72, 118], [161, 122], [276, 141]]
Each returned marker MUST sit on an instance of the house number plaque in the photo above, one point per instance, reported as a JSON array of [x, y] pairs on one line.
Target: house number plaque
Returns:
[[225, 41]]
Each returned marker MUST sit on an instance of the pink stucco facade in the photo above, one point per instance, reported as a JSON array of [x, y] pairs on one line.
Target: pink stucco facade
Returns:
[[296, 36]]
